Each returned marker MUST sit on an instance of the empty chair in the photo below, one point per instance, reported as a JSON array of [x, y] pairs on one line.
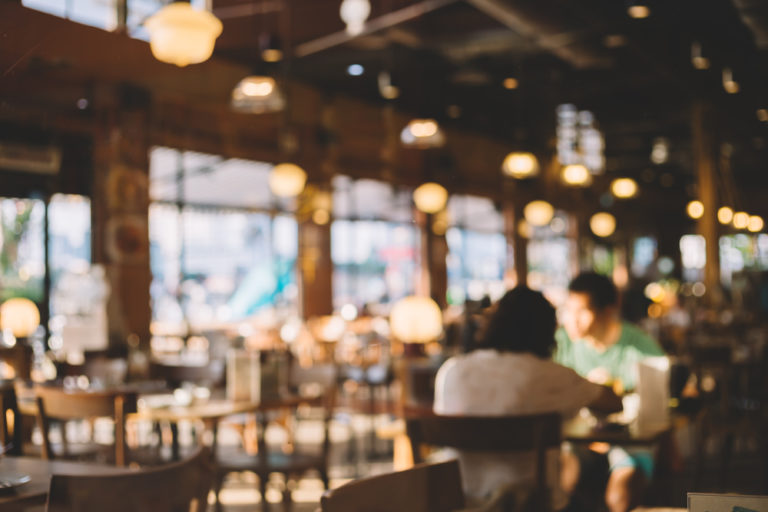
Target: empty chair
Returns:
[[535, 434], [178, 487], [300, 457], [423, 488], [56, 404]]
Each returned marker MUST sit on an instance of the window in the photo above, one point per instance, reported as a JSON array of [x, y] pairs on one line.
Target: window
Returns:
[[221, 247], [550, 256], [477, 250], [374, 243], [22, 260]]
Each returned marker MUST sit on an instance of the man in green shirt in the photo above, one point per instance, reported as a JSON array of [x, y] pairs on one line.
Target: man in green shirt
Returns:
[[599, 346]]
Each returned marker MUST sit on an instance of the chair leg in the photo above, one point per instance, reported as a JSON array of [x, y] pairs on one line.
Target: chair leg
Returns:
[[218, 482], [325, 479], [263, 491]]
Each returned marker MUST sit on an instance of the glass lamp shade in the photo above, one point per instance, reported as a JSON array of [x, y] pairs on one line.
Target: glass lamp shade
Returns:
[[182, 35], [256, 95], [576, 175], [755, 224], [287, 180], [695, 209], [520, 165], [725, 215], [430, 197], [741, 220], [423, 134], [354, 13], [624, 188], [538, 213], [602, 224], [416, 320], [20, 316]]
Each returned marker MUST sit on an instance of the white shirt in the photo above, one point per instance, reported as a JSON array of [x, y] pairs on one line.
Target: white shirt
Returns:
[[491, 383]]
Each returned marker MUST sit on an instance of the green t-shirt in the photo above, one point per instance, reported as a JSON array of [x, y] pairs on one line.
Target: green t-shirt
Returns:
[[619, 360]]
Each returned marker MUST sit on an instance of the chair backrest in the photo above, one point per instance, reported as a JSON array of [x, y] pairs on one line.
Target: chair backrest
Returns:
[[176, 374], [423, 488], [180, 486], [10, 438], [524, 433], [55, 403]]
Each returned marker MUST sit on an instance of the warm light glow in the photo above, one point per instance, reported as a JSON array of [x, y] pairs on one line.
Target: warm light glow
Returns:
[[695, 209], [729, 84], [538, 213], [697, 58], [422, 133], [762, 114], [576, 175], [321, 217], [520, 165], [624, 188], [416, 320], [182, 35], [257, 94], [287, 180], [755, 223], [272, 55], [510, 83], [725, 215], [740, 220], [20, 316], [638, 11], [602, 224], [430, 197], [354, 13]]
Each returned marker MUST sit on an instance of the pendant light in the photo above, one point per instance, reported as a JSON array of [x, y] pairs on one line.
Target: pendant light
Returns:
[[520, 165], [354, 13], [538, 213], [257, 94], [182, 35], [725, 215], [602, 224], [430, 197], [422, 134], [576, 175], [287, 180], [624, 188]]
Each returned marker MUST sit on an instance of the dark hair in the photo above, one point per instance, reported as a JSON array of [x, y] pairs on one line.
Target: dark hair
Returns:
[[601, 290], [523, 321]]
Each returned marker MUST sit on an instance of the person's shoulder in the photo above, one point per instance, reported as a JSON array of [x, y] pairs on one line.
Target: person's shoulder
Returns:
[[634, 336], [561, 337]]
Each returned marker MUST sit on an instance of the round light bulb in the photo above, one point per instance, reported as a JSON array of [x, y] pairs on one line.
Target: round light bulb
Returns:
[[182, 35], [520, 165], [639, 11], [416, 320], [287, 180], [602, 224], [725, 215], [430, 197], [740, 220], [695, 209], [755, 223], [20, 316], [538, 213], [624, 188], [576, 175]]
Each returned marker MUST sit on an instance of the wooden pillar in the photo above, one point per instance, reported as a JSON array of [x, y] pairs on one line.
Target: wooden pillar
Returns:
[[120, 209], [433, 272], [517, 244], [704, 144], [315, 268]]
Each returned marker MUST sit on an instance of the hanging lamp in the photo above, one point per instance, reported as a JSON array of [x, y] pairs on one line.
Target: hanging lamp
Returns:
[[180, 34]]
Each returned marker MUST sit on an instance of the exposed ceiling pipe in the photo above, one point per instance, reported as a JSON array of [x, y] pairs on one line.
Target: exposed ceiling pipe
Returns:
[[556, 36], [754, 14], [382, 22]]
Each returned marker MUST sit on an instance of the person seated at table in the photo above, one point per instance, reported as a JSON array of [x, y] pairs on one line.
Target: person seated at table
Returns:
[[599, 346], [511, 372]]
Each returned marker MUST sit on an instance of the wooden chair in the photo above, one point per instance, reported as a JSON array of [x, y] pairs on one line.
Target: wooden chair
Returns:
[[176, 487], [58, 404], [423, 488], [291, 464], [525, 433], [11, 439], [177, 374]]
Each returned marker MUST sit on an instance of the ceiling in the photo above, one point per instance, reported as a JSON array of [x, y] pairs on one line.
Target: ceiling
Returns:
[[634, 75]]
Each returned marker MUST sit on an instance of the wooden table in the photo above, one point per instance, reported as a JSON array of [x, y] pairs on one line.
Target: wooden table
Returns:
[[212, 412], [35, 492], [580, 431]]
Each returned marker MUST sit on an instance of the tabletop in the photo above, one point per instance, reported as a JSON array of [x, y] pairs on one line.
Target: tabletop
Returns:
[[40, 471], [579, 430]]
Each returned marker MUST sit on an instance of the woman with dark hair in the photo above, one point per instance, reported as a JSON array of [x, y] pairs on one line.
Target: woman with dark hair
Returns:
[[510, 372]]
